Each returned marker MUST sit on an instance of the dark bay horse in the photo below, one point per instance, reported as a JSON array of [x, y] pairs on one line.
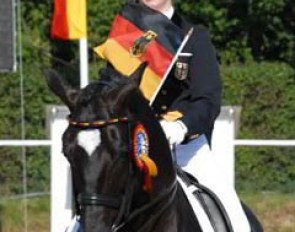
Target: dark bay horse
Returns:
[[109, 186], [123, 173]]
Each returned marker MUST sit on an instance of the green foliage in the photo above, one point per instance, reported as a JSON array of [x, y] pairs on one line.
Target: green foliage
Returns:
[[101, 14], [10, 171], [265, 169], [12, 217], [275, 211], [266, 92], [36, 97], [241, 30], [35, 51]]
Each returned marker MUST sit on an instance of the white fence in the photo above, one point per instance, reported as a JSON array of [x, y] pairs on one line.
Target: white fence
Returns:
[[223, 146]]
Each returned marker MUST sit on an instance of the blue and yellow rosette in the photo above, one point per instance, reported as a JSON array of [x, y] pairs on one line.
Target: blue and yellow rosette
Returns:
[[142, 159]]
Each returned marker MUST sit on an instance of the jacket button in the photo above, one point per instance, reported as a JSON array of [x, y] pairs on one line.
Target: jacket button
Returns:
[[164, 107], [164, 92]]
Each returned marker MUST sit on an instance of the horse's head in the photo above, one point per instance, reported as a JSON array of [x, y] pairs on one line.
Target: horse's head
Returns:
[[98, 145]]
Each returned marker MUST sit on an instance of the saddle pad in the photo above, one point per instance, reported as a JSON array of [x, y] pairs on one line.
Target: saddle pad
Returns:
[[200, 213], [207, 207]]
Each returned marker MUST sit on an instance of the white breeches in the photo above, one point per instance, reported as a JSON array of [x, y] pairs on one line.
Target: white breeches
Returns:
[[197, 159]]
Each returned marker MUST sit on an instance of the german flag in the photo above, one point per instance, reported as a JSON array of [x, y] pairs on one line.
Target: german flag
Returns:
[[69, 19], [141, 34]]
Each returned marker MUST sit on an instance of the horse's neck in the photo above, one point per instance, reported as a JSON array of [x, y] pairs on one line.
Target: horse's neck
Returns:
[[169, 213], [172, 214], [179, 214], [159, 150]]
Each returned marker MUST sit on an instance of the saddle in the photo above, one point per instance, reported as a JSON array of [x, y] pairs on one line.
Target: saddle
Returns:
[[212, 216]]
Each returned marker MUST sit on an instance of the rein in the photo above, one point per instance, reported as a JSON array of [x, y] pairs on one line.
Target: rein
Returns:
[[171, 191]]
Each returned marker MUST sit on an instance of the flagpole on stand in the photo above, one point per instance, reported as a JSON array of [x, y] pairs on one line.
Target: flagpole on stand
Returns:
[[83, 62]]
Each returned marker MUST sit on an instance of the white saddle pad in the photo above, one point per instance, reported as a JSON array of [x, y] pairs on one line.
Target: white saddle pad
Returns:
[[196, 206]]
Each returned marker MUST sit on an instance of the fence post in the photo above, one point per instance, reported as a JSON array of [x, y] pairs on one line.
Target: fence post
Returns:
[[61, 184], [223, 138]]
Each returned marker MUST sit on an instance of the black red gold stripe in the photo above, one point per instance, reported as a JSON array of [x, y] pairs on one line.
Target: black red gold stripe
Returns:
[[125, 33], [129, 27], [69, 19], [169, 36]]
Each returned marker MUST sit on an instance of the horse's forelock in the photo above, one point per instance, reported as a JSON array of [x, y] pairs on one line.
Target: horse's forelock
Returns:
[[118, 85], [108, 80], [113, 77], [88, 93]]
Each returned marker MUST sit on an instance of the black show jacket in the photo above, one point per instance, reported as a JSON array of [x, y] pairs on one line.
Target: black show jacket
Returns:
[[198, 96]]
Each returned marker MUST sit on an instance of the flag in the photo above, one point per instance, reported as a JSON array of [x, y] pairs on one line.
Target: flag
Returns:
[[140, 34], [69, 19]]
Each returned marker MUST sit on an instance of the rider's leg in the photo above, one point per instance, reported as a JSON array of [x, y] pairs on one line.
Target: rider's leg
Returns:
[[197, 159]]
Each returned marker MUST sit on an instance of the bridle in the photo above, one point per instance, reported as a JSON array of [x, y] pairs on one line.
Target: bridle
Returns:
[[86, 199], [83, 199], [120, 203]]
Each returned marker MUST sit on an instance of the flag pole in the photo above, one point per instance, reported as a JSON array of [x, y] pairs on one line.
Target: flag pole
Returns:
[[184, 42], [83, 45], [83, 62]]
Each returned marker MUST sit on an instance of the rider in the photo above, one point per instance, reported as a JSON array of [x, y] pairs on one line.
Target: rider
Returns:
[[189, 102]]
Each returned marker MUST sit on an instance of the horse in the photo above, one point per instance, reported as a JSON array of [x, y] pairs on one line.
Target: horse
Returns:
[[124, 175]]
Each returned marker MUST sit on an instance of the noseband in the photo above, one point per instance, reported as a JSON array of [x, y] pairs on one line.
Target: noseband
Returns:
[[99, 200]]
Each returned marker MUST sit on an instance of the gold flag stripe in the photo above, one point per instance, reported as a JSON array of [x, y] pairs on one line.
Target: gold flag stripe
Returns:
[[76, 16], [121, 59]]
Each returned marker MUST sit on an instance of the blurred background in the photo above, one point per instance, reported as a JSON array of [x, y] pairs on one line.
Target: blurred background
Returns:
[[255, 41]]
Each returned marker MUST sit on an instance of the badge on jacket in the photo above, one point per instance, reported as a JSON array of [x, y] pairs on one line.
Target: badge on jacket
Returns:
[[182, 66]]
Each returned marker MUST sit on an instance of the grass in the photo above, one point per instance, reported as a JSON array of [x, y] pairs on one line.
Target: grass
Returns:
[[275, 211], [12, 215]]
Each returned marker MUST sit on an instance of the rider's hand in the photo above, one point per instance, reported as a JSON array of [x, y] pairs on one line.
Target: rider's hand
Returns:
[[174, 131]]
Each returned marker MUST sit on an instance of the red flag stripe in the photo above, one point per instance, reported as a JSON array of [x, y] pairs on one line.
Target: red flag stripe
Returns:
[[60, 27], [125, 33]]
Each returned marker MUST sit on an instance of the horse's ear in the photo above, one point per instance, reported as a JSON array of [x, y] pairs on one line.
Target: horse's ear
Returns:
[[66, 94], [138, 74]]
